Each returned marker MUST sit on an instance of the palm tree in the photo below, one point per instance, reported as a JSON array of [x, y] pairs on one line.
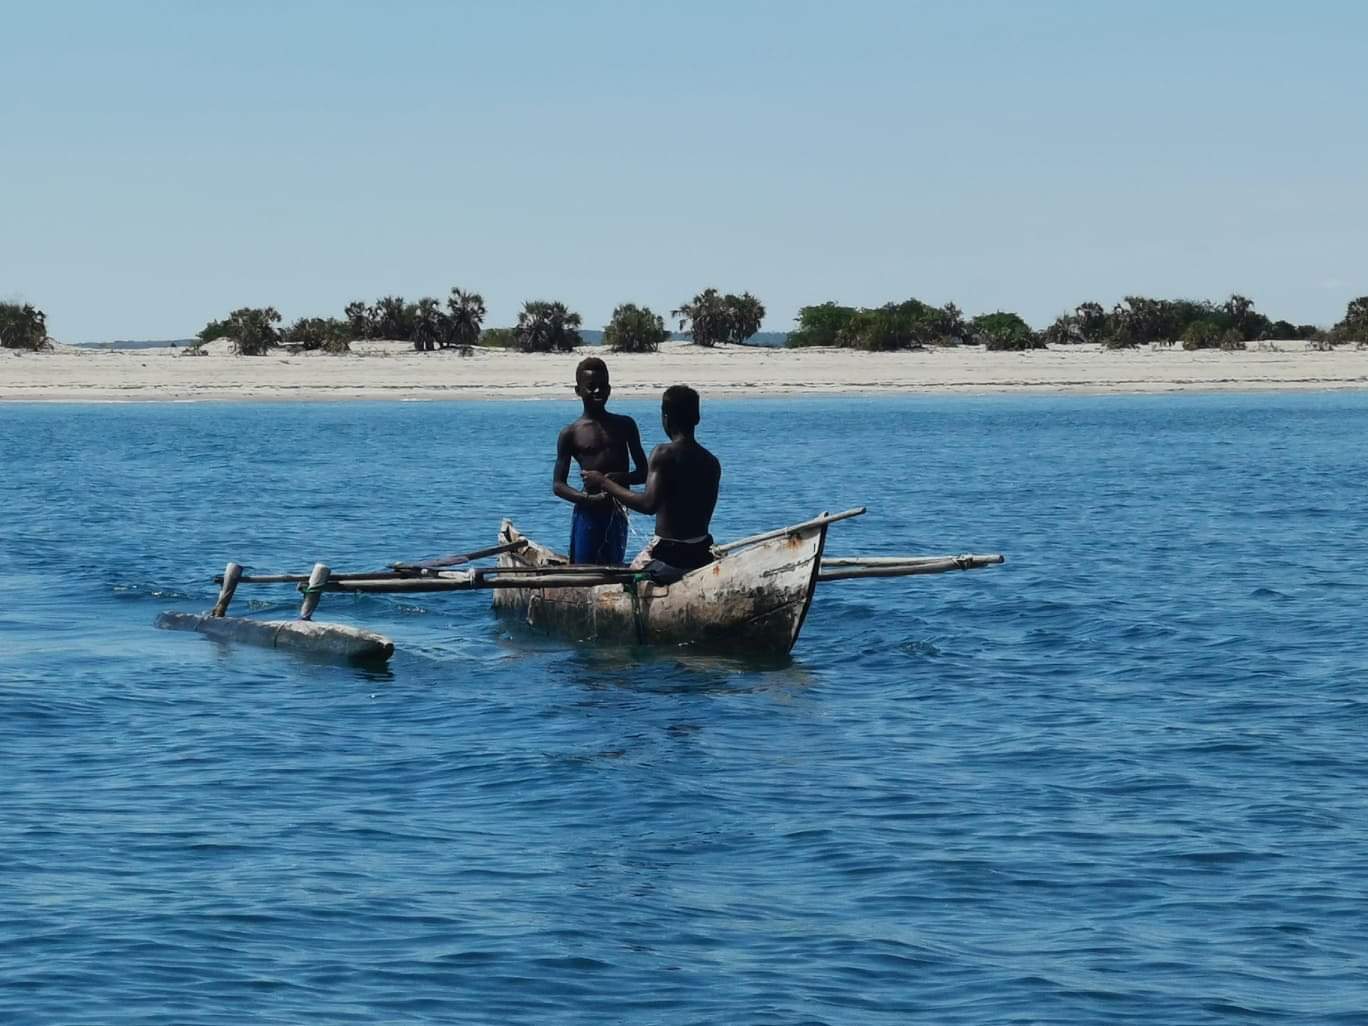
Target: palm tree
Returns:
[[393, 318], [745, 313], [711, 318], [705, 318], [360, 323], [1092, 321], [544, 326], [429, 325], [467, 314], [684, 313]]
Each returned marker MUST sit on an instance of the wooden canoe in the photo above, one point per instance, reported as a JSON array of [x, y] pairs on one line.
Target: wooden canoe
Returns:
[[754, 597]]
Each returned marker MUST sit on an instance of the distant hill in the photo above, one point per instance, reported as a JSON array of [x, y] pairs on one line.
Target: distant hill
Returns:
[[142, 343], [768, 339]]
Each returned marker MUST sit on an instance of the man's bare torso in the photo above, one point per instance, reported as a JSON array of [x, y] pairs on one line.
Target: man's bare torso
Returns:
[[600, 443]]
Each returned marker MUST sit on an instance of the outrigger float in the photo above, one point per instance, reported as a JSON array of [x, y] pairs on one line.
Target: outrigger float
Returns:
[[754, 596]]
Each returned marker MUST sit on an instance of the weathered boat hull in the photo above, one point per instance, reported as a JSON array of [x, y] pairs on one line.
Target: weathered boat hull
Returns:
[[325, 640], [755, 598]]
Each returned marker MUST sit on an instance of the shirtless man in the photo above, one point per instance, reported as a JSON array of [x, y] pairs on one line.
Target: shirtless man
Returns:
[[600, 442], [681, 486]]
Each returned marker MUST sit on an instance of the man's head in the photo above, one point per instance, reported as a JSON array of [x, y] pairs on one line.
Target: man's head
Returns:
[[591, 382], [679, 409]]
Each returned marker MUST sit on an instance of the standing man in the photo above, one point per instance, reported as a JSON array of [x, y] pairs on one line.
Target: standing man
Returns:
[[681, 486], [600, 442]]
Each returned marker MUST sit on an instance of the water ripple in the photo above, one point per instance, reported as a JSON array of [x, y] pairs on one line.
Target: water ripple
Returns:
[[1116, 780]]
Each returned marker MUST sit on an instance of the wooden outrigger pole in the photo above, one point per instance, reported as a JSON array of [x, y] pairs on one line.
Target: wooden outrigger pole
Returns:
[[848, 568], [515, 572]]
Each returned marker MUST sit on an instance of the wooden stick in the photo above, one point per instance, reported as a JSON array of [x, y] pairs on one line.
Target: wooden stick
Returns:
[[317, 581], [363, 575], [829, 518], [834, 561], [472, 581], [557, 568], [465, 557], [231, 573], [938, 566], [397, 571]]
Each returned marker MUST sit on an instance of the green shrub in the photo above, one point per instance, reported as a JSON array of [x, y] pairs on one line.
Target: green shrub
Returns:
[[1139, 320], [328, 334], [252, 330], [1004, 331], [820, 325], [1203, 335], [882, 329], [1088, 323], [1354, 327], [499, 338], [1233, 340], [23, 327], [215, 329], [910, 324], [635, 329]]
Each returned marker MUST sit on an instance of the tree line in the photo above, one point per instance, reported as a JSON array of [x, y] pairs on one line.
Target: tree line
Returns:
[[543, 325], [1136, 320], [712, 317]]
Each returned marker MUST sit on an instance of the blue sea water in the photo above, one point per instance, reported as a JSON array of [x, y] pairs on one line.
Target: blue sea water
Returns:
[[1120, 779]]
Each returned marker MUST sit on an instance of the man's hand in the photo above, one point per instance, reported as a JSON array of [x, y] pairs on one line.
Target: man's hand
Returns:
[[597, 500], [594, 479]]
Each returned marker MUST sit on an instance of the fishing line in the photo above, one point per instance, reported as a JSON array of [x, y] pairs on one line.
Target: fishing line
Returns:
[[636, 538]]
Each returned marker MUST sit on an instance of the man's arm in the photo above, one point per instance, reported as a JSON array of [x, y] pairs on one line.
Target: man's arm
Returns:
[[640, 466], [647, 501], [560, 486]]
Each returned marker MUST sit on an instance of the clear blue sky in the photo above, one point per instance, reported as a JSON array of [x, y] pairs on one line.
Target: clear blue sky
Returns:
[[166, 162]]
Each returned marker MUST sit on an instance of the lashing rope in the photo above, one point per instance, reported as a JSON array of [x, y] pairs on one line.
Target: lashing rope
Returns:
[[638, 616]]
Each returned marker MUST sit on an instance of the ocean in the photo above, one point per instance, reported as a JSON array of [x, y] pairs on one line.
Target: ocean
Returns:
[[1120, 779]]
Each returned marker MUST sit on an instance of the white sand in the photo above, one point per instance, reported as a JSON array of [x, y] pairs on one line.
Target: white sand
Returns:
[[381, 370]]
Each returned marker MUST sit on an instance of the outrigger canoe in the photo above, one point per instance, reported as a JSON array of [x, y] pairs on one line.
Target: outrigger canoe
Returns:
[[754, 596]]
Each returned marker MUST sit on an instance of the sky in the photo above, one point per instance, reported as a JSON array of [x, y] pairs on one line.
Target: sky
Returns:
[[165, 163]]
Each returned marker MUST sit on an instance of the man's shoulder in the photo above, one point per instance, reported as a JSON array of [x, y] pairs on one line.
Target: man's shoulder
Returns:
[[621, 420], [710, 459], [701, 452]]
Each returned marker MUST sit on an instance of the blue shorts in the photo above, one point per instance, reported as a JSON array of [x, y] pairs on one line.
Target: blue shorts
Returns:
[[598, 537]]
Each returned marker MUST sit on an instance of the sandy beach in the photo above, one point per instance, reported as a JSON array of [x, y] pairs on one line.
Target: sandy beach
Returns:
[[382, 370]]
